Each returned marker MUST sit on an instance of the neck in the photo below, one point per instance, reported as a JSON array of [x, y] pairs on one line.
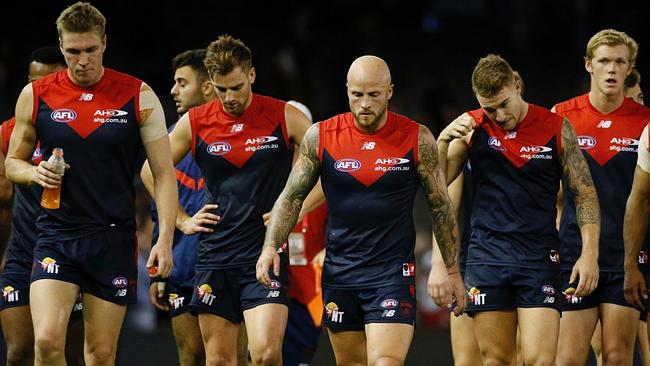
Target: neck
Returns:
[[605, 103]]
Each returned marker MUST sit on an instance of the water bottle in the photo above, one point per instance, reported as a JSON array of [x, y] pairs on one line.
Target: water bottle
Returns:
[[52, 197]]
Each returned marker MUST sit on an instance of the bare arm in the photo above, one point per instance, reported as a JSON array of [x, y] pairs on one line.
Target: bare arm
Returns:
[[22, 144], [157, 147], [301, 180], [636, 216], [445, 228], [453, 146], [435, 189], [286, 209], [576, 177]]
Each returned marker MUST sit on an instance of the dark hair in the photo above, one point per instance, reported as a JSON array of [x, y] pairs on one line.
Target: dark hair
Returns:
[[225, 54], [47, 55], [193, 59], [491, 74], [632, 79]]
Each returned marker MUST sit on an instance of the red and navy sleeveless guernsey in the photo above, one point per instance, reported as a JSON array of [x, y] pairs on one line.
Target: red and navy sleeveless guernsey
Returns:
[[609, 143], [370, 183], [26, 206], [245, 162], [98, 129], [516, 176]]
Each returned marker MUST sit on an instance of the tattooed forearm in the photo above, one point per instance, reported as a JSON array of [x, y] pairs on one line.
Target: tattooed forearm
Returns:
[[302, 179], [435, 189], [577, 178]]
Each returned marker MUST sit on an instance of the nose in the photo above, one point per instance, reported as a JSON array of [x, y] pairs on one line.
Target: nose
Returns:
[[365, 103], [501, 115], [174, 90]]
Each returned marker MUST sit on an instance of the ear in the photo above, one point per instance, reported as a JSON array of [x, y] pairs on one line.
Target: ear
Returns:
[[390, 91], [251, 75], [206, 88], [104, 41], [588, 66]]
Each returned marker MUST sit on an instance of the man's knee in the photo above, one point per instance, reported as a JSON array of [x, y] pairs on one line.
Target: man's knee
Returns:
[[616, 358], [268, 355], [540, 359], [387, 361], [101, 354], [20, 354], [48, 347]]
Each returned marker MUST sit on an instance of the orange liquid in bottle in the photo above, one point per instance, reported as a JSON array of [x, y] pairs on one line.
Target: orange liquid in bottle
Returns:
[[51, 198]]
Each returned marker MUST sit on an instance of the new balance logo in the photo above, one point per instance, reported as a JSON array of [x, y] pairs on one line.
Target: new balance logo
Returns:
[[237, 127], [604, 124], [368, 145], [86, 97]]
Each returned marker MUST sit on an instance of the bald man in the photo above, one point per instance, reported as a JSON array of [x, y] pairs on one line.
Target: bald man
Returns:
[[370, 162]]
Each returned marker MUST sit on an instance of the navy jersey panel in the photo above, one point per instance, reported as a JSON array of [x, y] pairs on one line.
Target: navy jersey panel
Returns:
[[370, 183], [609, 143], [516, 175], [98, 129], [245, 161], [191, 197]]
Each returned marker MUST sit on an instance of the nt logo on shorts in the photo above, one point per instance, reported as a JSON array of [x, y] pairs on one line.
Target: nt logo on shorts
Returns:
[[10, 294], [48, 265], [205, 294], [176, 301], [333, 312]]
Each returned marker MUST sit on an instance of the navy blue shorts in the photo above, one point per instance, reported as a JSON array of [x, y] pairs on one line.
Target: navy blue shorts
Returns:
[[301, 337], [103, 264], [179, 299], [492, 287], [228, 292], [609, 290], [346, 309]]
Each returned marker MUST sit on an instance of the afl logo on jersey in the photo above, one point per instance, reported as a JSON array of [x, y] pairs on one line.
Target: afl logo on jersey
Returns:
[[494, 143], [63, 115], [347, 165], [586, 142], [219, 148]]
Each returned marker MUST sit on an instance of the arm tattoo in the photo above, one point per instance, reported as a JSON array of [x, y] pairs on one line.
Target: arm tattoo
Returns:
[[434, 185], [577, 178], [302, 179]]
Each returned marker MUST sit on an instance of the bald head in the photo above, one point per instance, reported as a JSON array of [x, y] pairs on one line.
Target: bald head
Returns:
[[369, 68], [369, 90]]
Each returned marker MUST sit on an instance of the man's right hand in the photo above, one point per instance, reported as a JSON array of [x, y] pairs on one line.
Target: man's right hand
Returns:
[[634, 287], [458, 128], [46, 177], [200, 221], [157, 295]]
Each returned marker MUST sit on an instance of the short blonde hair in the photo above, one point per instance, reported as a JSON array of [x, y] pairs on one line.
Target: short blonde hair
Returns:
[[225, 54], [80, 18], [612, 37], [491, 74]]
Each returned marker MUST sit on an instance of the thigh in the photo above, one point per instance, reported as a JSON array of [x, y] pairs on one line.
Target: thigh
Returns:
[[576, 331], [349, 347], [619, 329], [219, 338], [380, 346], [51, 301], [464, 345], [539, 329], [102, 323], [496, 332], [265, 325], [186, 330], [17, 327], [644, 345]]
